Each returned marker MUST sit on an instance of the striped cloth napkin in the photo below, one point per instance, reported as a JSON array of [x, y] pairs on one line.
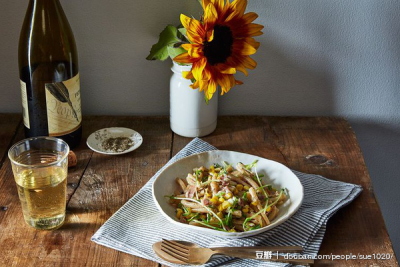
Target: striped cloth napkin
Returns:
[[137, 225]]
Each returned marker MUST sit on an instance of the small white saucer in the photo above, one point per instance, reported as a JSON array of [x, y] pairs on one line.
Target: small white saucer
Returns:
[[95, 140]]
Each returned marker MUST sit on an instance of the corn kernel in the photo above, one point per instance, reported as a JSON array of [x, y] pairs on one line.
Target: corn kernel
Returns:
[[214, 200], [268, 209], [220, 214], [239, 187], [211, 169], [232, 230], [245, 210], [179, 213], [236, 191], [208, 195], [221, 200], [246, 187], [228, 195], [220, 208], [254, 203], [225, 205]]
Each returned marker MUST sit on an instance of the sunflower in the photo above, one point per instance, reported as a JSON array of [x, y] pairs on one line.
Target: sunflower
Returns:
[[220, 44]]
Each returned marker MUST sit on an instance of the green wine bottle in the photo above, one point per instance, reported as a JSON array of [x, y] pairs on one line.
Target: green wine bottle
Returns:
[[49, 76]]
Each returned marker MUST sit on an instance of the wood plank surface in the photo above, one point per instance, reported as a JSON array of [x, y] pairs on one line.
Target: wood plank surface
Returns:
[[99, 185], [324, 146], [9, 124]]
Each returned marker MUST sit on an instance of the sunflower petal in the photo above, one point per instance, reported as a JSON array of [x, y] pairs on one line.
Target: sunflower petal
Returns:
[[203, 85], [239, 82], [225, 9], [185, 20], [210, 35], [234, 14], [186, 46], [212, 87], [226, 69], [243, 48], [253, 28], [195, 85], [241, 68], [219, 5], [194, 29], [250, 17], [231, 81], [210, 16], [205, 3], [224, 81], [252, 42], [195, 52], [187, 75], [197, 69], [207, 72], [185, 58], [239, 6], [194, 37], [248, 30], [249, 63]]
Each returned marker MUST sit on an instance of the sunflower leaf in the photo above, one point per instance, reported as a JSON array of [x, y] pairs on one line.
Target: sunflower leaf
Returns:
[[174, 51], [182, 34], [169, 36]]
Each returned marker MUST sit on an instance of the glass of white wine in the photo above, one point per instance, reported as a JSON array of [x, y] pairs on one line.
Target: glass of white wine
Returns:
[[40, 167]]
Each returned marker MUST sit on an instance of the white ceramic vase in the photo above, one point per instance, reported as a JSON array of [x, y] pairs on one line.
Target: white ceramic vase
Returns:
[[190, 115]]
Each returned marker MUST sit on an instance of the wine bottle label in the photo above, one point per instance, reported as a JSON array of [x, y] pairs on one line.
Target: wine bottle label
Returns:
[[25, 110], [63, 100]]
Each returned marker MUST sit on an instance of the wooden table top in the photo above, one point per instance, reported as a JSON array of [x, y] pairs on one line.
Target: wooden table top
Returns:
[[99, 185]]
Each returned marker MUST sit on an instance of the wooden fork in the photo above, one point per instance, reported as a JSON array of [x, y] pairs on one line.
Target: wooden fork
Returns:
[[188, 253]]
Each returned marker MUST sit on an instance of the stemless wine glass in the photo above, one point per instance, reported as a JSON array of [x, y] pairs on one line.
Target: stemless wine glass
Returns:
[[40, 167]]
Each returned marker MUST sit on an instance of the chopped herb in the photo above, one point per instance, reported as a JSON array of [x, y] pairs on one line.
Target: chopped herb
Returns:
[[195, 216], [209, 225], [235, 202], [186, 211], [250, 166], [228, 219], [261, 185], [197, 174], [268, 186], [220, 194], [209, 217], [226, 166], [118, 144], [244, 197], [257, 226]]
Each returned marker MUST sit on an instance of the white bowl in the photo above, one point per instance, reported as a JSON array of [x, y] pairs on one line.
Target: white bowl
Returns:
[[275, 173]]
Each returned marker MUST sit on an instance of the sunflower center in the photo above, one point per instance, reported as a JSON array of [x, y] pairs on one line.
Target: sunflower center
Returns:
[[220, 48]]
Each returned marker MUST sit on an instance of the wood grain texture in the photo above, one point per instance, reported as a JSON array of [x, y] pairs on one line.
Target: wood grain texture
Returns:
[[9, 124], [99, 185], [324, 146]]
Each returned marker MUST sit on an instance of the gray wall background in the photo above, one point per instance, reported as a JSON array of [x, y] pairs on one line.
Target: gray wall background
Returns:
[[317, 58]]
